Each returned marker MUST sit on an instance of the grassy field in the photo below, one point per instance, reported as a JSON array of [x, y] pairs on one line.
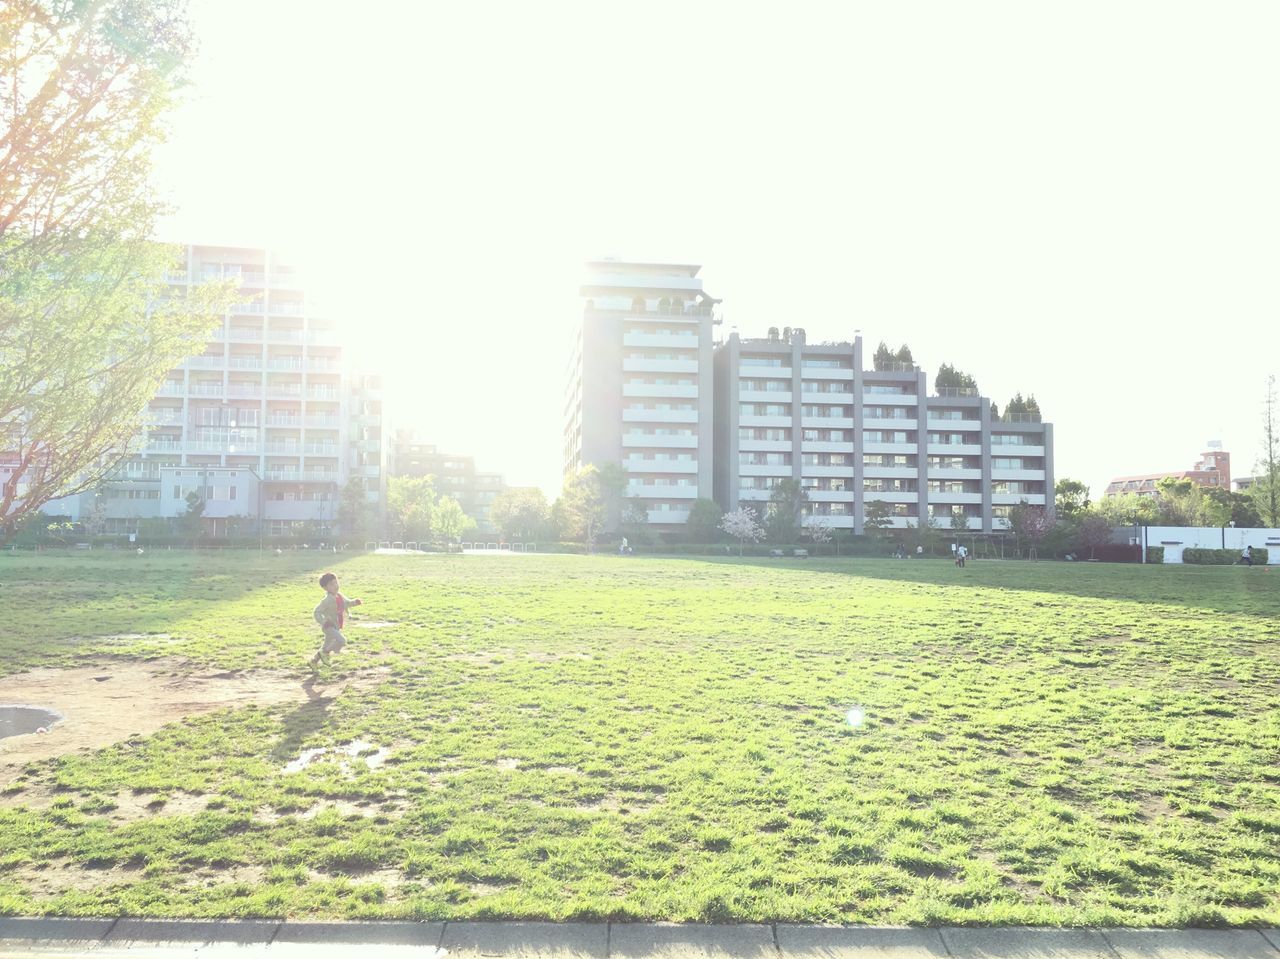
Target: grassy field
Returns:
[[655, 738]]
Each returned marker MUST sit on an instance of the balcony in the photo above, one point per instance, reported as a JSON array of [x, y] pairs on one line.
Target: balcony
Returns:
[[843, 472], [889, 423], [818, 446], [765, 469], [670, 340], [662, 491], [321, 449], [749, 419], [163, 446], [285, 336], [285, 364], [952, 391], [997, 474], [890, 497], [252, 308], [282, 476], [950, 473], [1013, 499], [176, 276], [637, 465], [284, 449], [323, 394], [891, 472], [764, 446], [826, 422], [658, 391], [330, 476], [764, 396], [956, 498], [365, 420], [659, 416], [954, 449], [322, 366], [245, 391], [205, 389], [658, 441], [171, 389], [826, 373], [1013, 449], [245, 363], [244, 335], [294, 422], [830, 495], [659, 366], [321, 422], [286, 308], [297, 509], [205, 362], [278, 392], [960, 426]]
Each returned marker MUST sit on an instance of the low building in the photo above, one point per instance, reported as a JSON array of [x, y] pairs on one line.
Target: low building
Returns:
[[1211, 471], [455, 475]]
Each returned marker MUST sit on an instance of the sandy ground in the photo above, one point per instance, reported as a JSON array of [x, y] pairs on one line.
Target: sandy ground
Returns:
[[114, 700]]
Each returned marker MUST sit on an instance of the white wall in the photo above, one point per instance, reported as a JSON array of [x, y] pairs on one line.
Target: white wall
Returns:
[[1175, 539]]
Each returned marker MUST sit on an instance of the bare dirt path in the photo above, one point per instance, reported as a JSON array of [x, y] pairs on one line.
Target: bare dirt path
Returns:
[[110, 701]]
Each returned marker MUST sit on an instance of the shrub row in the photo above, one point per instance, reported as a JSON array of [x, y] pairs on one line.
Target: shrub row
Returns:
[[1155, 554], [1220, 557]]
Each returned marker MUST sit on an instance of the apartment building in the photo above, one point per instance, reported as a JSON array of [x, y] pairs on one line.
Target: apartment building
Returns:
[[1211, 471], [810, 412], [455, 475], [640, 384], [268, 397]]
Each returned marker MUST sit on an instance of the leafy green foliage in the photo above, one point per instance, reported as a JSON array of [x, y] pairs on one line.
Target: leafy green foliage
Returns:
[[520, 512], [1071, 497], [88, 328], [786, 507], [1020, 410], [1221, 557], [951, 378], [704, 521]]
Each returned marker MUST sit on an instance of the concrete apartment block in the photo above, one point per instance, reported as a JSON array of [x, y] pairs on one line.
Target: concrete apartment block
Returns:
[[269, 397], [789, 409], [640, 384]]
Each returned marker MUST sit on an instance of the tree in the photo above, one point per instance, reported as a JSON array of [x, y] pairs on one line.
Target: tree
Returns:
[[519, 512], [411, 501], [995, 412], [877, 517], [786, 508], [704, 521], [190, 522], [1265, 491], [818, 529], [1070, 497], [951, 378], [904, 355], [1031, 524], [88, 328], [584, 505], [448, 520], [1238, 508], [1129, 509], [354, 515], [95, 523], [1092, 531], [925, 532], [959, 520], [741, 525], [883, 358]]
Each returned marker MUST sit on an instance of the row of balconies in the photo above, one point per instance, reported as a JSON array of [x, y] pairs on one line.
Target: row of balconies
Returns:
[[255, 335], [277, 364], [280, 281], [278, 391]]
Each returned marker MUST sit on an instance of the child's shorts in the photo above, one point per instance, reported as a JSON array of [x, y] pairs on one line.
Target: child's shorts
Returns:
[[333, 640]]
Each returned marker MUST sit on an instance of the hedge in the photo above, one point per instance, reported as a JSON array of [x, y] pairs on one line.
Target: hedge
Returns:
[[1220, 557], [1155, 554]]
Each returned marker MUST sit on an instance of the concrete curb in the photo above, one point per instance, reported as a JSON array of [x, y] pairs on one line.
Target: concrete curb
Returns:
[[615, 940]]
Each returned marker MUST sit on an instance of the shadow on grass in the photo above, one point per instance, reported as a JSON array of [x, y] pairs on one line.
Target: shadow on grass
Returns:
[[1234, 590], [83, 597], [301, 723]]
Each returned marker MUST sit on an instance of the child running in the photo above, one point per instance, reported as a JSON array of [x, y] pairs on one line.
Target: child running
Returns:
[[331, 614]]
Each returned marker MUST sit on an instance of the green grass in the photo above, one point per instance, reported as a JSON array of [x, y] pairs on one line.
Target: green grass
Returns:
[[666, 739]]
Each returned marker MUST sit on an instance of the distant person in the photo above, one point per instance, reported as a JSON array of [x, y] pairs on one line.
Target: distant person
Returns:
[[919, 552], [623, 548], [961, 553], [1246, 556], [331, 614]]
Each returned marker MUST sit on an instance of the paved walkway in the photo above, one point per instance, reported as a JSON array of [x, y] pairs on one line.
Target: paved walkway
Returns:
[[162, 939]]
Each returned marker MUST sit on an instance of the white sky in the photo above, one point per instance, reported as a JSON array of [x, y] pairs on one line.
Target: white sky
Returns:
[[1079, 201]]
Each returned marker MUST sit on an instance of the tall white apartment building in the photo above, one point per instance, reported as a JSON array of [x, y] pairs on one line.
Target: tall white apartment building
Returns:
[[269, 398], [788, 409], [640, 384]]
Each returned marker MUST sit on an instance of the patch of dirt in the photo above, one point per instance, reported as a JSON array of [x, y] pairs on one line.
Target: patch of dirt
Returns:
[[487, 889], [56, 878], [137, 698]]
